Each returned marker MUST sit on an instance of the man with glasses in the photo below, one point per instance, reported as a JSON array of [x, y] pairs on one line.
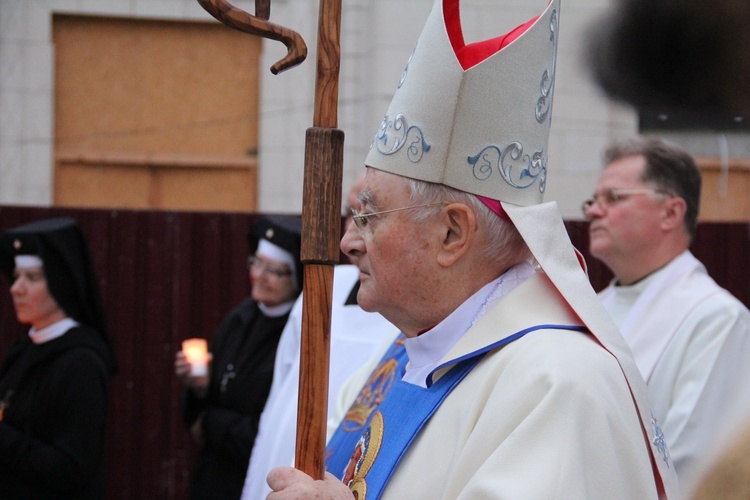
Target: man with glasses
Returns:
[[509, 379], [689, 337]]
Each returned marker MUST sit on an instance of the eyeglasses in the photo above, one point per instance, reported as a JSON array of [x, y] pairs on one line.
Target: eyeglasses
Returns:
[[611, 196], [362, 220], [254, 262]]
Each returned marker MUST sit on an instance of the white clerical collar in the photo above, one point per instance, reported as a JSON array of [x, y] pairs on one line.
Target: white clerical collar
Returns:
[[426, 350], [638, 286], [668, 289], [620, 304], [275, 311], [52, 331]]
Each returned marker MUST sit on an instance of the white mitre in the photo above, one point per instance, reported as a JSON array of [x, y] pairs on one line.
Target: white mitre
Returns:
[[483, 130]]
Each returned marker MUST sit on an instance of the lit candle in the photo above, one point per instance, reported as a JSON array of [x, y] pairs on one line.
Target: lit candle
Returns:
[[196, 352]]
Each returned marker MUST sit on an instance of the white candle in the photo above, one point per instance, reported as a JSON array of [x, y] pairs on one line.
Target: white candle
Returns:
[[196, 352]]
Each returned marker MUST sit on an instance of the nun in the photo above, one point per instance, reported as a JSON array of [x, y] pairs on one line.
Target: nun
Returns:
[[223, 408], [54, 382]]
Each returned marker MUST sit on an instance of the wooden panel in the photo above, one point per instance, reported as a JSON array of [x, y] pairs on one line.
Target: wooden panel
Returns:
[[153, 88], [98, 186], [725, 196], [157, 181], [204, 189]]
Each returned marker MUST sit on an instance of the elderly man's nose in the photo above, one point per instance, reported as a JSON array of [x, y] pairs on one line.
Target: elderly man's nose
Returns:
[[351, 242]]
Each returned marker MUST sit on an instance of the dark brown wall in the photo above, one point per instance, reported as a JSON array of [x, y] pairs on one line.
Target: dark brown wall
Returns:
[[167, 276]]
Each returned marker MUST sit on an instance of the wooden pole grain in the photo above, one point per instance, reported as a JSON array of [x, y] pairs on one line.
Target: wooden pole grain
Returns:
[[259, 25], [321, 228]]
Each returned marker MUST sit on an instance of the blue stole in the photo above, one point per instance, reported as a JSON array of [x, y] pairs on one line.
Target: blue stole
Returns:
[[402, 414], [382, 428]]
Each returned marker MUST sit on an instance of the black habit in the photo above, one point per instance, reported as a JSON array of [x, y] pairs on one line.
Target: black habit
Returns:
[[244, 349], [53, 424]]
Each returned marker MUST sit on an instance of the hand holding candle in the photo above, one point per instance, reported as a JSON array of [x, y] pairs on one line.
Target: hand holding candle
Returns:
[[196, 352]]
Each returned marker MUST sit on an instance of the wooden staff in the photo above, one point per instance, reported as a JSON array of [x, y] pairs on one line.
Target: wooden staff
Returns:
[[321, 231], [321, 211], [258, 25]]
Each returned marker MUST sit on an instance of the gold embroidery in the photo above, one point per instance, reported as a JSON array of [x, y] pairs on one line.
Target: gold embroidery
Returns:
[[372, 394], [364, 456]]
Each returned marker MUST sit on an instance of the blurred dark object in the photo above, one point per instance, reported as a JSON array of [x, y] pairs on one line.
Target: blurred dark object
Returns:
[[656, 119], [688, 55]]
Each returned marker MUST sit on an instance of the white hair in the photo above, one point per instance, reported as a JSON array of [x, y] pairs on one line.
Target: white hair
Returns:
[[505, 247]]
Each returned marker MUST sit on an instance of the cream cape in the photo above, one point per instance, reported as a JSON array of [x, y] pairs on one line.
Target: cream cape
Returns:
[[530, 421]]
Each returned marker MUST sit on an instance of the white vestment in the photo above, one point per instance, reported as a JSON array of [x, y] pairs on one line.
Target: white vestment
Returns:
[[356, 336], [691, 340], [530, 420]]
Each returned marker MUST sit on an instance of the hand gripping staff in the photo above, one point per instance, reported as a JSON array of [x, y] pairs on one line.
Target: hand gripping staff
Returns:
[[321, 213]]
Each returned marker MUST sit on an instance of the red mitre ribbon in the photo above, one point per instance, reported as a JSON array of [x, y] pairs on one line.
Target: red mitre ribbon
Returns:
[[474, 53]]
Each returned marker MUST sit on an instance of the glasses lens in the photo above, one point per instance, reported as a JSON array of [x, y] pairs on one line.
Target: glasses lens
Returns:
[[611, 197], [359, 221], [255, 263]]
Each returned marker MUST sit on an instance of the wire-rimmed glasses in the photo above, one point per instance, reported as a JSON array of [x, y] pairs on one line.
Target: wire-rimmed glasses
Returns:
[[612, 196], [362, 220]]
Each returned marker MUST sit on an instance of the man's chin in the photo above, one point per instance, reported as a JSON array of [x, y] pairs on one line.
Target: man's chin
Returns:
[[368, 309], [597, 249], [364, 300]]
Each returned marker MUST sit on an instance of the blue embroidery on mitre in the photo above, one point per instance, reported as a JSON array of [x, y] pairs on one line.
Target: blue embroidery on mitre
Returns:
[[658, 441], [544, 103], [393, 135], [519, 170]]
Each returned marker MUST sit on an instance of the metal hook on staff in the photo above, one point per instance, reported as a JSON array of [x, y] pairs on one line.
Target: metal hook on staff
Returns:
[[259, 25]]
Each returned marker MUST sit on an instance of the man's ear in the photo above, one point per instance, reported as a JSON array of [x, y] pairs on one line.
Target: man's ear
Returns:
[[673, 215], [458, 226]]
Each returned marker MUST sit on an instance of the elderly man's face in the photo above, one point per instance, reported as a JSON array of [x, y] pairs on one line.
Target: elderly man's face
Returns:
[[393, 253], [630, 226], [352, 202]]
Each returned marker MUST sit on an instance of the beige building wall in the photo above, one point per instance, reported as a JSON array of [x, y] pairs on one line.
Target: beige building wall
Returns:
[[377, 38]]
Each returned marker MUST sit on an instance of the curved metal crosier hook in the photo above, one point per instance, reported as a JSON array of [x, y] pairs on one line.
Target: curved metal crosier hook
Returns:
[[259, 25]]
